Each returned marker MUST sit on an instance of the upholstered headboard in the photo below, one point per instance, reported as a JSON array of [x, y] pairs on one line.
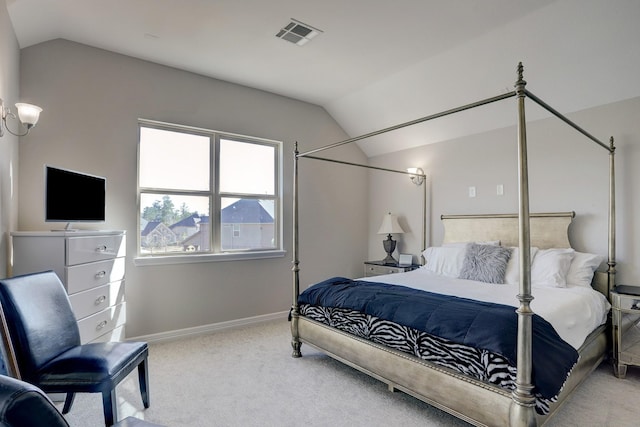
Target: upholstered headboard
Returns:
[[547, 230]]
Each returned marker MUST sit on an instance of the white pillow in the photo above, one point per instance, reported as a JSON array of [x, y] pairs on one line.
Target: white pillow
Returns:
[[550, 267], [512, 276], [488, 242], [583, 266], [445, 260]]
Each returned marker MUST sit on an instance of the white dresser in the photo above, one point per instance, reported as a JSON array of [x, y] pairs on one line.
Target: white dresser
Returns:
[[91, 265]]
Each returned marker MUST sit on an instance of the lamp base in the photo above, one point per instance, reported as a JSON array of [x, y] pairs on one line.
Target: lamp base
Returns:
[[389, 260], [389, 246]]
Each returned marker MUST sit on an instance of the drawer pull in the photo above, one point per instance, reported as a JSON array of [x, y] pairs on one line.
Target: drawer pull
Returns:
[[100, 299], [101, 325], [102, 248], [101, 274]]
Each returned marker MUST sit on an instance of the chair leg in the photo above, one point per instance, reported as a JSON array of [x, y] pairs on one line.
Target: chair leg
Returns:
[[143, 379], [68, 401], [110, 406]]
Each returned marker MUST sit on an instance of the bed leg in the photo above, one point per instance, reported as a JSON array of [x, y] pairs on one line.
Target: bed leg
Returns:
[[619, 369], [295, 338], [522, 415], [296, 344], [392, 389]]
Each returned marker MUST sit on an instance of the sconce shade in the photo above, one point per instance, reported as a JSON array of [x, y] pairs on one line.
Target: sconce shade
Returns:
[[417, 175], [390, 225], [28, 114]]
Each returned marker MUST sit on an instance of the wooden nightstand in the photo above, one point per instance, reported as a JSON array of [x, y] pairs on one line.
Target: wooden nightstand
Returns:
[[376, 268], [625, 301]]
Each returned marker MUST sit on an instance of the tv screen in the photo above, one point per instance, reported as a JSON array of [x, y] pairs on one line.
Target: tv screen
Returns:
[[72, 196]]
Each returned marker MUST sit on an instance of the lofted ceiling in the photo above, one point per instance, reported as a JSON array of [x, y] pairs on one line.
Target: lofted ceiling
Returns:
[[376, 62]]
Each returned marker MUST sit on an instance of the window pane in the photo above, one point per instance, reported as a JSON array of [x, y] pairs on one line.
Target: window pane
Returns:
[[172, 223], [174, 160], [247, 168], [247, 224]]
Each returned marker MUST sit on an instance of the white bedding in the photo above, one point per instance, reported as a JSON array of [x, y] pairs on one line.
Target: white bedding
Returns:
[[574, 311]]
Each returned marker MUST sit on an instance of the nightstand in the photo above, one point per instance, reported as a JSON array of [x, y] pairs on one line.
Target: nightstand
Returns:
[[376, 268], [625, 301]]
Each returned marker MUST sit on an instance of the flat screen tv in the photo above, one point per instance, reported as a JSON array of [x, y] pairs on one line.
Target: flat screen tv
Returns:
[[72, 196]]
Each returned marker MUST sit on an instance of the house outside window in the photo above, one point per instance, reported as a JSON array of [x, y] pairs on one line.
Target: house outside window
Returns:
[[204, 192]]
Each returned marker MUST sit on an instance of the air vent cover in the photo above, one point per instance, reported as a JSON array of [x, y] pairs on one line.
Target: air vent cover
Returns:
[[297, 33]]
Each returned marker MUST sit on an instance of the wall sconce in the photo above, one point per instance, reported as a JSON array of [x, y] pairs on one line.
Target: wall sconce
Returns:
[[417, 175], [28, 115], [390, 225]]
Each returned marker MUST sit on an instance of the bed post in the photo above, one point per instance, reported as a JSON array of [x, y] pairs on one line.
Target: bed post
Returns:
[[522, 411], [424, 222], [295, 310], [611, 270]]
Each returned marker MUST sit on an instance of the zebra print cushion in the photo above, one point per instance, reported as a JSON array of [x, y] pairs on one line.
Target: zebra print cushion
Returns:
[[477, 363]]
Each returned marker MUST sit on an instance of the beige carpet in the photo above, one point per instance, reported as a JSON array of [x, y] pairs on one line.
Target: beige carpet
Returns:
[[247, 377]]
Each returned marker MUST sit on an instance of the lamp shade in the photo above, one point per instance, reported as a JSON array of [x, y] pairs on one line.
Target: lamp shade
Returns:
[[417, 175], [28, 114], [390, 225]]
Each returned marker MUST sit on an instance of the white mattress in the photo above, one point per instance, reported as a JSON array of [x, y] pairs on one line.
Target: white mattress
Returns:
[[574, 311]]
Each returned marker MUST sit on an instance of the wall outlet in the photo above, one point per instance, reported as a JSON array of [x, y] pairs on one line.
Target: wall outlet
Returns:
[[500, 190], [472, 191]]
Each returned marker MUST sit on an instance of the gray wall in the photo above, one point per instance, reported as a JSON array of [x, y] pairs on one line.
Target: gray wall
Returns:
[[567, 172], [9, 86], [92, 100]]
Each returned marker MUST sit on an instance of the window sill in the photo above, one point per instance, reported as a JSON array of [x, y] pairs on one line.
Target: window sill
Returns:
[[191, 259]]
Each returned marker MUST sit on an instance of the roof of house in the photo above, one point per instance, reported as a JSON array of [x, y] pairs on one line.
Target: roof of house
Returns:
[[246, 211], [190, 221], [149, 227]]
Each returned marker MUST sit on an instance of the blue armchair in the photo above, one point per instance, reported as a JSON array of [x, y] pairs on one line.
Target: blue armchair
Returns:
[[44, 334]]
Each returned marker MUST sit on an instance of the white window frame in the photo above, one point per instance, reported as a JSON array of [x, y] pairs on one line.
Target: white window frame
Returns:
[[215, 254]]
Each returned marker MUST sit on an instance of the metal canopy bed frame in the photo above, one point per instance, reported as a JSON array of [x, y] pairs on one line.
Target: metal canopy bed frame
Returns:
[[472, 400]]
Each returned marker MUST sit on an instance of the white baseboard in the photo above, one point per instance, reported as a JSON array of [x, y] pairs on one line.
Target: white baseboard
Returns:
[[207, 329]]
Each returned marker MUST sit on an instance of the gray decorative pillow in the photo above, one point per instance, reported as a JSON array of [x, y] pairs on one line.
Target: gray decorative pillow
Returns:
[[485, 263]]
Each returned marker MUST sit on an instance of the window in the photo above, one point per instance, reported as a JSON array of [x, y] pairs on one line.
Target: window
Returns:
[[207, 192]]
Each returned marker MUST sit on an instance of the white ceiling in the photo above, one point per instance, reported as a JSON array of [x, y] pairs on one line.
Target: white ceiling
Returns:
[[377, 62]]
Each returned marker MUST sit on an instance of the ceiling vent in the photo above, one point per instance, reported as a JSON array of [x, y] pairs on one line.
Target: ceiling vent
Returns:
[[298, 33]]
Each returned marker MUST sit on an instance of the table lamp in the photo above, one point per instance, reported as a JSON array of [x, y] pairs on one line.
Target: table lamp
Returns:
[[389, 226]]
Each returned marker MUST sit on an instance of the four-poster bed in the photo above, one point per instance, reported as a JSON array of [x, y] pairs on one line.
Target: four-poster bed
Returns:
[[514, 398]]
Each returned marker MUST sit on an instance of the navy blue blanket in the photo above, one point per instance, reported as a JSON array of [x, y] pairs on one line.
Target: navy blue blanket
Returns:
[[478, 324]]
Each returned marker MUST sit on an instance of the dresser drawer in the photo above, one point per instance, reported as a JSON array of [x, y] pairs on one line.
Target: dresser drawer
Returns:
[[85, 276], [118, 334], [102, 322], [91, 301], [84, 249], [377, 270]]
